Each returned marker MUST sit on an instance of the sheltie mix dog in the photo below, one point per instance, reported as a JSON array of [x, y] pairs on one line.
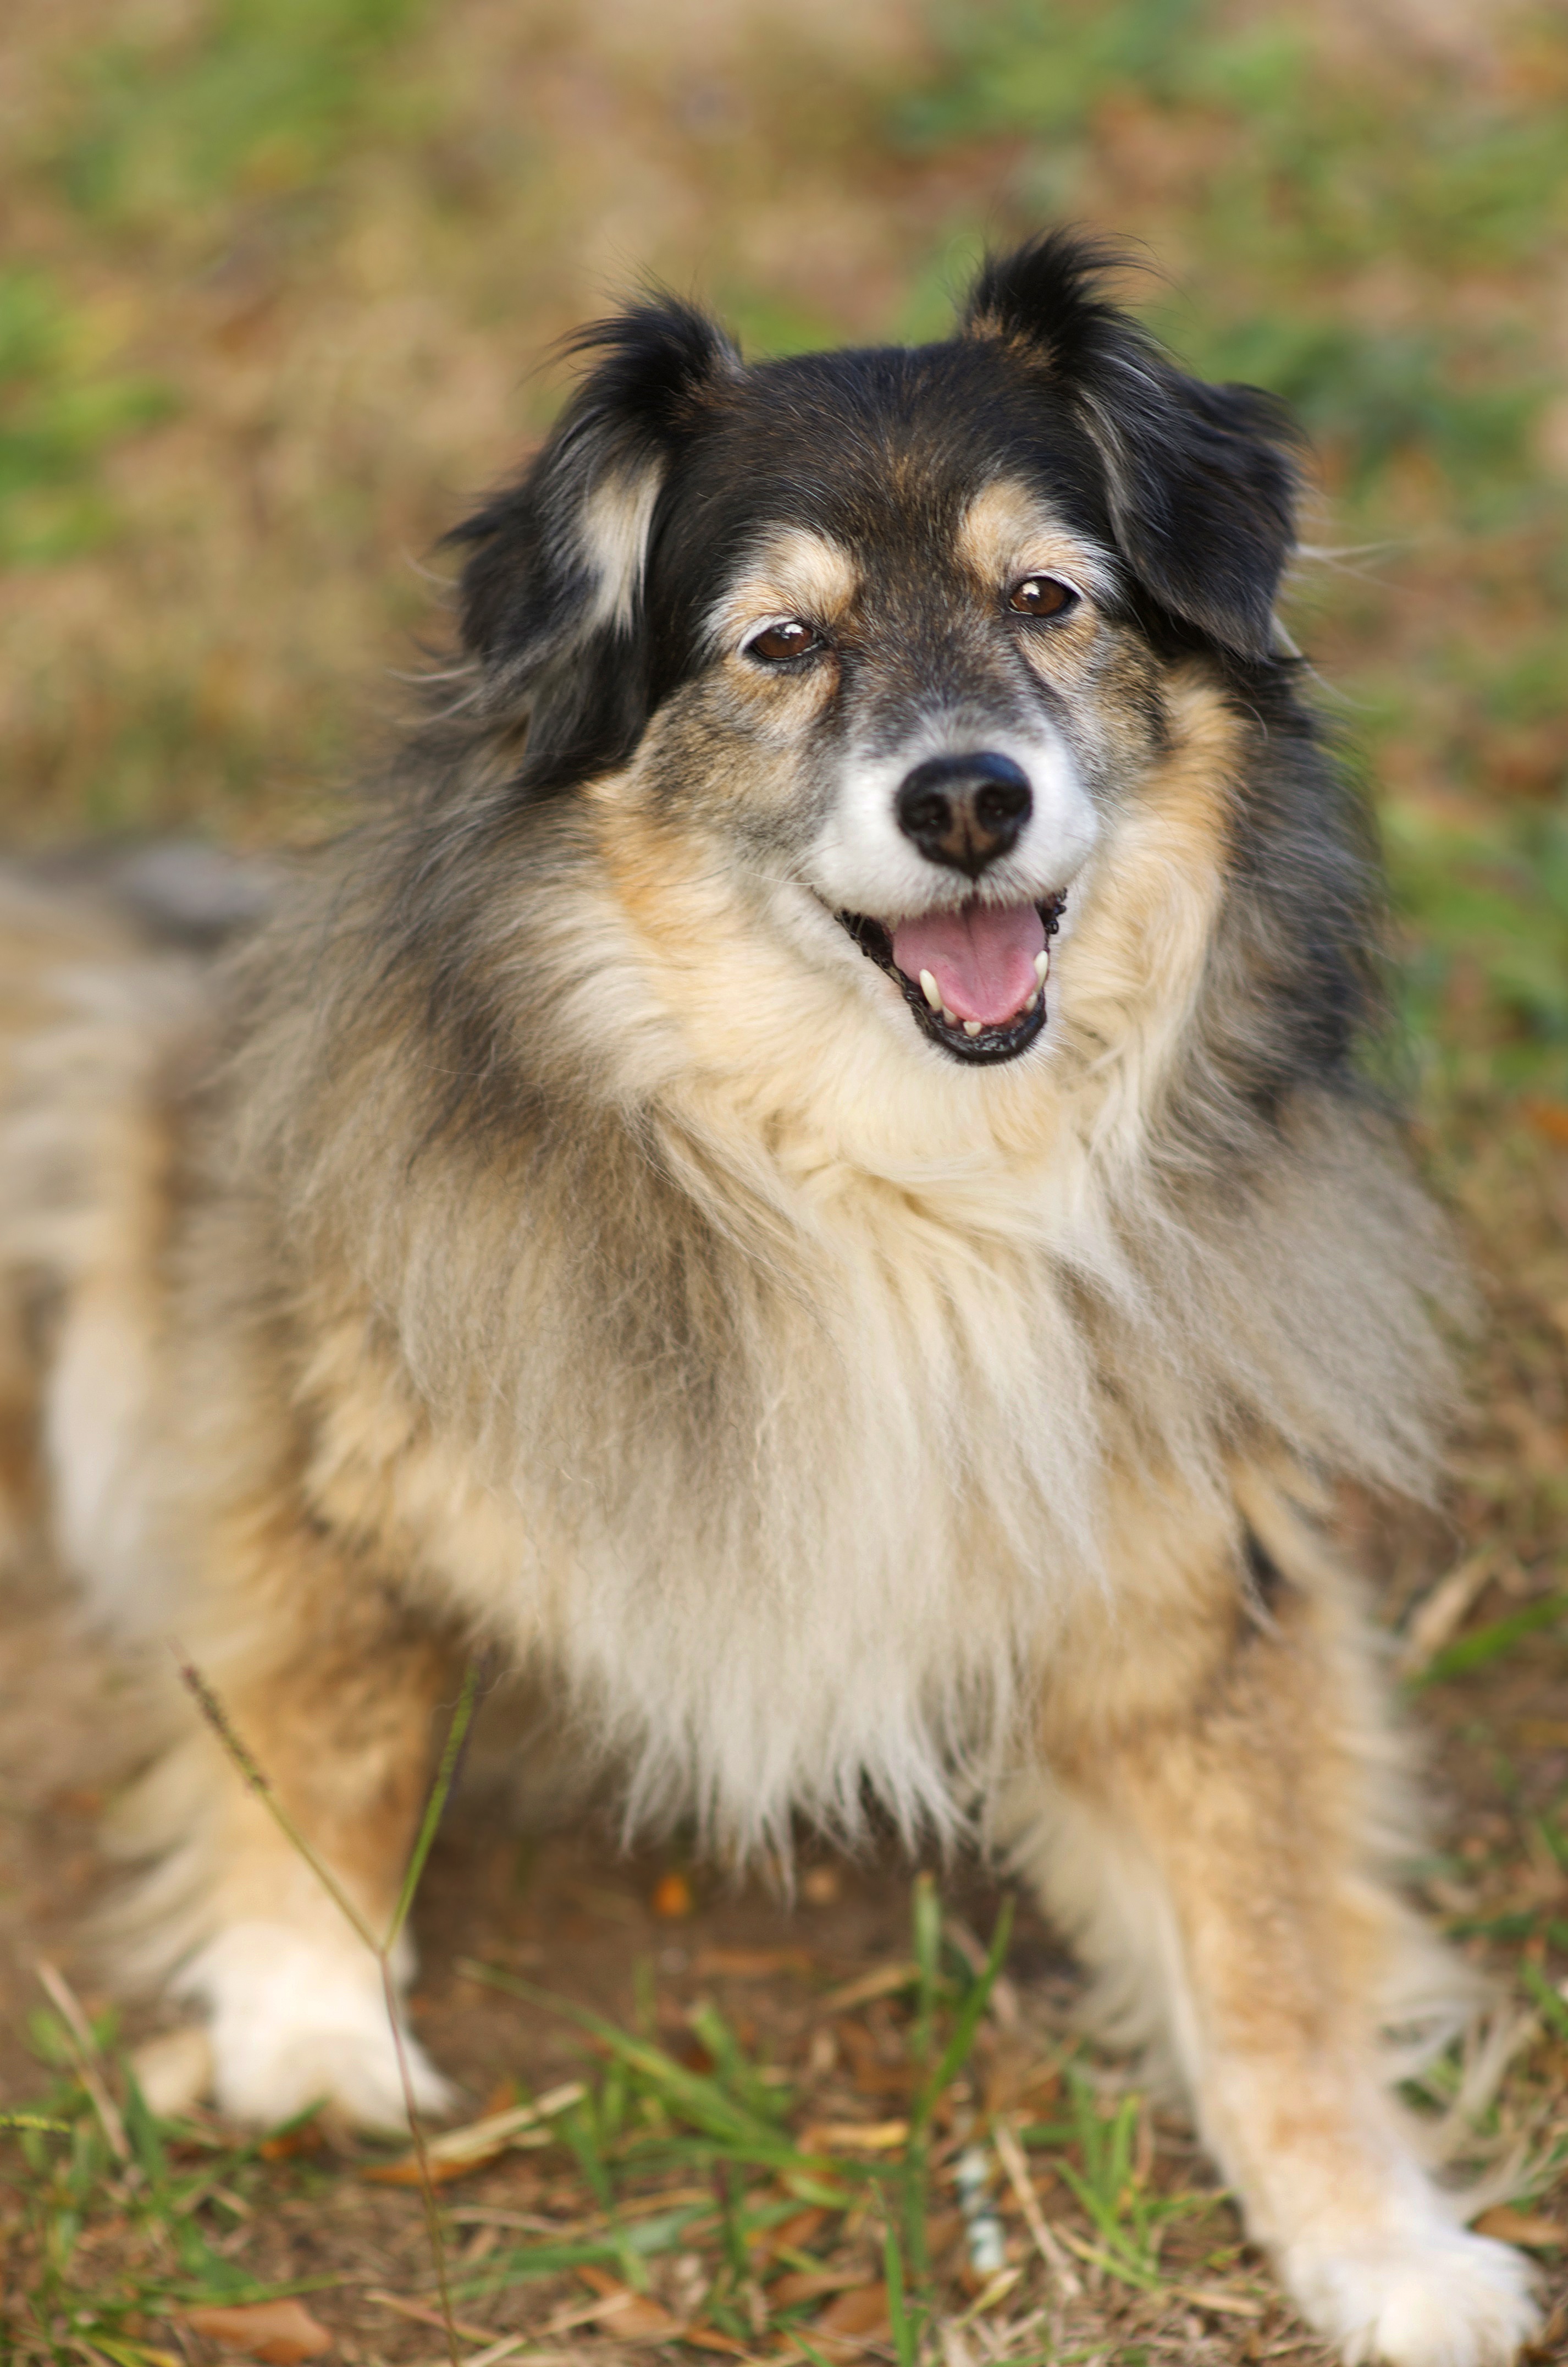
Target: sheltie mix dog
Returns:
[[805, 1174]]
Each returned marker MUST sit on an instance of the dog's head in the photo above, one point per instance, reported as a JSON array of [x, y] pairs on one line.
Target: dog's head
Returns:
[[890, 625]]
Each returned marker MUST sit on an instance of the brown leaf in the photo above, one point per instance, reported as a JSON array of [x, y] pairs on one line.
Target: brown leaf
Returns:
[[630, 2316], [853, 2136], [307, 2137], [1529, 2227], [457, 2151], [885, 1981], [1548, 1119], [748, 1963], [810, 2285], [796, 2231], [673, 1897], [860, 2311], [280, 2332]]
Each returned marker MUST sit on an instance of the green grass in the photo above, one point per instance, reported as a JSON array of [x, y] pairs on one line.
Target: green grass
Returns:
[[648, 2115], [63, 405]]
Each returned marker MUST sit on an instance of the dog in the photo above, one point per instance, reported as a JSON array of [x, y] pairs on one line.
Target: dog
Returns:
[[806, 1174]]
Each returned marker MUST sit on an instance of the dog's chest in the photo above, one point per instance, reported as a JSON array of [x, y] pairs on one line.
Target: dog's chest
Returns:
[[834, 1578]]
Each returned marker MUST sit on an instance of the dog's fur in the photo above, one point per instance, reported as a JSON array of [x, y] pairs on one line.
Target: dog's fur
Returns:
[[554, 1229]]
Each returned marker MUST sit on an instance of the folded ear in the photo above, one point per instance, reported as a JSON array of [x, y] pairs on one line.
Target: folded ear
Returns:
[[550, 603], [1199, 479]]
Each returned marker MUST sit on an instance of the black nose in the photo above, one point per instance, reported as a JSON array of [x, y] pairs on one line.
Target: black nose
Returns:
[[964, 810]]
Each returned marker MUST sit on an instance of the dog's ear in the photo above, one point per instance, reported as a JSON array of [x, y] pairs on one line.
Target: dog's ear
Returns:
[[1199, 479], [550, 603]]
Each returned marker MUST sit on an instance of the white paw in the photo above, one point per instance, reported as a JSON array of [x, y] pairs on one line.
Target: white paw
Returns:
[[173, 2071], [1436, 2297], [295, 2020]]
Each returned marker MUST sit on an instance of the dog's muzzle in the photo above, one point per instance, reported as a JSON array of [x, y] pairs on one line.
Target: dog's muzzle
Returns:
[[965, 811]]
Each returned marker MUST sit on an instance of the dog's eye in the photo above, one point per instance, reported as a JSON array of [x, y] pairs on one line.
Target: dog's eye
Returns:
[[792, 638], [1042, 595]]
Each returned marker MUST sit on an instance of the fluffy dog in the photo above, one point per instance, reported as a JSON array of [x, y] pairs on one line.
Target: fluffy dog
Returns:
[[805, 1174]]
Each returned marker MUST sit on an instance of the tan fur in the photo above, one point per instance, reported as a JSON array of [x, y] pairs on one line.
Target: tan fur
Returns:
[[800, 1414], [1008, 533]]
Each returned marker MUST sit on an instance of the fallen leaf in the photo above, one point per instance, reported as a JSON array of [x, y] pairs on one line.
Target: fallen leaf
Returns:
[[1227, 2305], [861, 2311], [672, 1897], [810, 2285], [853, 2136], [457, 2151], [1529, 2227], [883, 1982], [796, 2231], [630, 2316], [280, 2332], [987, 2290], [1441, 1610], [748, 1963], [1550, 1120], [424, 2315]]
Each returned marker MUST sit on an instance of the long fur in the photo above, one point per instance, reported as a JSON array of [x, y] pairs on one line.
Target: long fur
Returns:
[[551, 1228]]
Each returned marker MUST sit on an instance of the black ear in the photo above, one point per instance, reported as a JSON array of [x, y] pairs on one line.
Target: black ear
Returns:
[[1199, 479], [550, 603]]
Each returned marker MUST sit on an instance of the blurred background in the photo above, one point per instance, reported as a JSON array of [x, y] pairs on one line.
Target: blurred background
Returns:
[[281, 279], [280, 276]]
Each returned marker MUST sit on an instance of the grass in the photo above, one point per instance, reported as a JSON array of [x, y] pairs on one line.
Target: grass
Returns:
[[277, 278], [702, 2154]]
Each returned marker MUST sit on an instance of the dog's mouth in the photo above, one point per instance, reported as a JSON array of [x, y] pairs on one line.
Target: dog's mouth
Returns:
[[975, 978]]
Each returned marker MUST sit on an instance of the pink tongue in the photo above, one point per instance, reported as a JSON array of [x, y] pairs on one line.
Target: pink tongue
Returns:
[[982, 957]]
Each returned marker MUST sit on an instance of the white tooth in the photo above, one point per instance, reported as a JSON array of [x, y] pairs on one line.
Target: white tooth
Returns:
[[951, 1016], [1033, 999], [930, 989], [1043, 965], [971, 1028]]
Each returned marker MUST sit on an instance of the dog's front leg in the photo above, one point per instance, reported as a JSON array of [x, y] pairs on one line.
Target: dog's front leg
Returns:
[[1208, 1822], [334, 1692]]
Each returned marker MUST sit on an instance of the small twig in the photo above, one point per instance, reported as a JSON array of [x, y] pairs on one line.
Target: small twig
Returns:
[[497, 2351], [441, 1791], [1441, 1610], [423, 2314], [1010, 2154], [83, 2049]]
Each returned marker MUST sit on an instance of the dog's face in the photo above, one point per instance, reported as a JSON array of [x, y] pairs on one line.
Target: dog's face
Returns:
[[888, 627]]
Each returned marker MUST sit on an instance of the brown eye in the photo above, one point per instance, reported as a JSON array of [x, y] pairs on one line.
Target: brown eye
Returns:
[[1043, 595], [776, 644]]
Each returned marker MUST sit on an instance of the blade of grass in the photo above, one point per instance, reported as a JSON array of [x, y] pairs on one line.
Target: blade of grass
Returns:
[[905, 2322], [84, 2052], [926, 1919], [663, 2231], [966, 2023], [441, 1792], [1489, 1643], [701, 2098], [1552, 2004]]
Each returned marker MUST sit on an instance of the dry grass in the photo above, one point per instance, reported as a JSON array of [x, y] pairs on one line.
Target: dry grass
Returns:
[[278, 275]]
